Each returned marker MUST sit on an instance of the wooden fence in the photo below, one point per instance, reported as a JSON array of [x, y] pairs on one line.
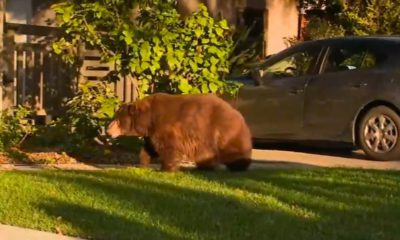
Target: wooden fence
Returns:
[[93, 70], [33, 74]]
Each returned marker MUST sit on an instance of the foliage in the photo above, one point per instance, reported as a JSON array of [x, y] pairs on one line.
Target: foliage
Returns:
[[87, 115], [91, 109], [319, 28], [245, 52], [374, 17], [14, 127], [151, 42], [357, 17], [291, 41], [328, 6]]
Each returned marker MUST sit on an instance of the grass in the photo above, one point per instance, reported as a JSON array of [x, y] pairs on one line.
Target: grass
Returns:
[[259, 204]]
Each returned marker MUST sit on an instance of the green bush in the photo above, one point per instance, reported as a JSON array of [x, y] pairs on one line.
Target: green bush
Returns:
[[81, 130], [91, 109], [14, 127], [87, 115], [245, 53], [165, 52], [356, 17], [373, 17], [319, 28]]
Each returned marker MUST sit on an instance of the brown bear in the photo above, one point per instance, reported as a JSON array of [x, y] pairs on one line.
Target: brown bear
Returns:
[[200, 128]]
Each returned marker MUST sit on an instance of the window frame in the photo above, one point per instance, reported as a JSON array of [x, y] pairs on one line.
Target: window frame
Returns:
[[297, 49], [331, 46]]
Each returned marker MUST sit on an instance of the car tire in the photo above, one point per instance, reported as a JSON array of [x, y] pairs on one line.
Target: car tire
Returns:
[[379, 134]]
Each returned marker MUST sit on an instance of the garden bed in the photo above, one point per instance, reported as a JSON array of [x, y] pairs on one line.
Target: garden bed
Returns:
[[37, 155]]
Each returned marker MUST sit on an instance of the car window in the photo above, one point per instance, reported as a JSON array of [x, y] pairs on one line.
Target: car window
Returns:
[[297, 64], [349, 58]]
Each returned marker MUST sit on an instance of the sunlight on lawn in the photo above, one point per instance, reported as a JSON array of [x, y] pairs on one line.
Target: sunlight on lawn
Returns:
[[259, 204]]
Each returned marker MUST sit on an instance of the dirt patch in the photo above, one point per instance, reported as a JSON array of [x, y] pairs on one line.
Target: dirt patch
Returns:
[[57, 156], [4, 159]]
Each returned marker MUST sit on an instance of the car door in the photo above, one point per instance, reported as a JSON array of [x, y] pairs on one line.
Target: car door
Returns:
[[333, 97], [274, 107]]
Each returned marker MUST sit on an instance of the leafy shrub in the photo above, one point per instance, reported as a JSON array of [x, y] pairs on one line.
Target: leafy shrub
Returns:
[[291, 41], [319, 28], [14, 127], [165, 52], [373, 17], [356, 17], [91, 109], [245, 52], [87, 115]]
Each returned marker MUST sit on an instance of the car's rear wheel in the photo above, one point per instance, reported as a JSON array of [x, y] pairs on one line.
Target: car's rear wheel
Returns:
[[379, 133]]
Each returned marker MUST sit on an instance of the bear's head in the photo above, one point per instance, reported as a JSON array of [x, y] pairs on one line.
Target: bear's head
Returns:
[[131, 119]]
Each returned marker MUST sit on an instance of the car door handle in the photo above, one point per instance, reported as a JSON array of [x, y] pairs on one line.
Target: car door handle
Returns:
[[295, 91], [359, 85]]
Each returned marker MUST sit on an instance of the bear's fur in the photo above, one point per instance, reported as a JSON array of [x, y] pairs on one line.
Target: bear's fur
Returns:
[[201, 128]]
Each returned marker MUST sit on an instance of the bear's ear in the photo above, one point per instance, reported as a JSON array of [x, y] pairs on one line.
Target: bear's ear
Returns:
[[123, 109], [132, 108], [141, 113], [139, 107]]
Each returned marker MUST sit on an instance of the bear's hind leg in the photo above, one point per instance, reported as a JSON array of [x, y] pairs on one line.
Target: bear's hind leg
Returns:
[[205, 160], [208, 166], [236, 154], [169, 161], [169, 165], [144, 158], [236, 159], [238, 165]]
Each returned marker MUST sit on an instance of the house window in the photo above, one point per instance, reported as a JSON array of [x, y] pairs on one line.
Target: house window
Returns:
[[19, 11], [254, 18]]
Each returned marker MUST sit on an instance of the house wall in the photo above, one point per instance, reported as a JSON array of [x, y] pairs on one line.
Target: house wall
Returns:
[[282, 22], [227, 9], [280, 17]]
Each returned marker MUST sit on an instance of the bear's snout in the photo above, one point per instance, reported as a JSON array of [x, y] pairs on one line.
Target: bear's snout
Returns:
[[113, 129]]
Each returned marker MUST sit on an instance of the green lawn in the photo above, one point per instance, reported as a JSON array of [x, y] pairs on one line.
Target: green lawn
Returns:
[[259, 204]]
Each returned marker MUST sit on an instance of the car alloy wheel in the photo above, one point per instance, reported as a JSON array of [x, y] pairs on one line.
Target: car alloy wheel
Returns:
[[380, 134]]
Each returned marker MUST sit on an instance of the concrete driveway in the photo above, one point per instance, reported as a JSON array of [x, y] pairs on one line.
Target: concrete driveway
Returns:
[[17, 233], [315, 157]]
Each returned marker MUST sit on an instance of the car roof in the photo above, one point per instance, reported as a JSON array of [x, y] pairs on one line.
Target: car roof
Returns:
[[335, 40], [383, 40]]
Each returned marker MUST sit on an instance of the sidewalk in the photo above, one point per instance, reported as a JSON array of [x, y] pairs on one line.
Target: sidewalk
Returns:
[[17, 233], [262, 159]]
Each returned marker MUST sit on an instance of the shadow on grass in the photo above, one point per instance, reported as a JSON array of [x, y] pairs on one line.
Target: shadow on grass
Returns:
[[126, 207], [95, 223], [259, 204], [352, 204]]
